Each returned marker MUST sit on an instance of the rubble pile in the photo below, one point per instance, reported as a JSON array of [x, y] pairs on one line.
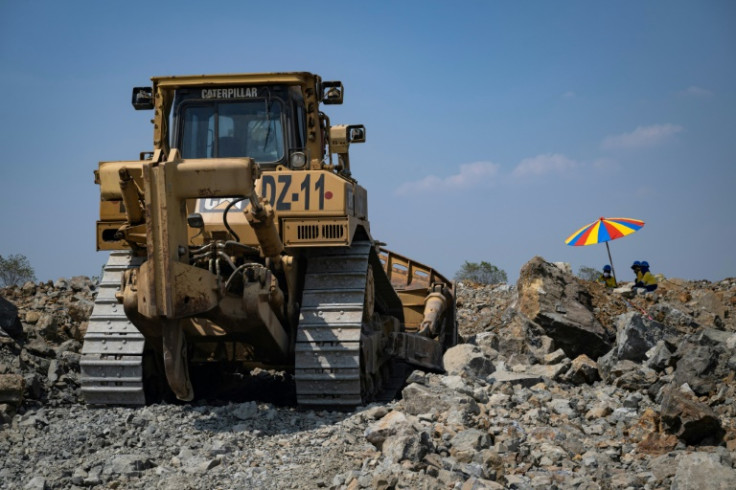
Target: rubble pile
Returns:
[[41, 331], [560, 383]]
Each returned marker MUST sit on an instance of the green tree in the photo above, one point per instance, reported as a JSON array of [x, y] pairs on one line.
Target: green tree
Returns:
[[15, 270], [483, 273], [588, 273]]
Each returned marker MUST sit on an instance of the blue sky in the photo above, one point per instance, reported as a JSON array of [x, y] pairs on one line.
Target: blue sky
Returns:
[[494, 129]]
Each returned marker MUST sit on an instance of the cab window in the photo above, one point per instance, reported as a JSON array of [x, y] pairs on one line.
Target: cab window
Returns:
[[232, 129]]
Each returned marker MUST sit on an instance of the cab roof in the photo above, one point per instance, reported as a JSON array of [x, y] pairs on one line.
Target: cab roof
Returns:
[[285, 78]]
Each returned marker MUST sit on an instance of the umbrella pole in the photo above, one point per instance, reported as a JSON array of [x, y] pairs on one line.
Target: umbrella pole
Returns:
[[613, 271]]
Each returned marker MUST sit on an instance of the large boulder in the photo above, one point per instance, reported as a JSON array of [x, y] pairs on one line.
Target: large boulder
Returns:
[[394, 423], [704, 359], [702, 470], [690, 420], [624, 373], [635, 335], [11, 395], [555, 300], [466, 358], [418, 399], [9, 321], [583, 370]]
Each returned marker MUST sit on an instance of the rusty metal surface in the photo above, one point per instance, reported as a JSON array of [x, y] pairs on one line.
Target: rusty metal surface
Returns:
[[418, 351], [175, 360]]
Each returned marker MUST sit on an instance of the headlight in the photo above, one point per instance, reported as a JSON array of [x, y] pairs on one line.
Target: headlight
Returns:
[[298, 160]]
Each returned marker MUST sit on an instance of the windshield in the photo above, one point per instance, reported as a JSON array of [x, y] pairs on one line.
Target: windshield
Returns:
[[232, 129]]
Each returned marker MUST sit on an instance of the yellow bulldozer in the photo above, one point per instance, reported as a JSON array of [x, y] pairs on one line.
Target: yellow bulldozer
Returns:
[[242, 241]]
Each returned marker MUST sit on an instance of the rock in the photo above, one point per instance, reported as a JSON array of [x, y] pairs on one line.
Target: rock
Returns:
[[702, 360], [659, 357], [79, 476], [79, 283], [245, 411], [564, 267], [632, 400], [457, 383], [9, 321], [61, 283], [610, 368], [469, 359], [544, 347], [11, 389], [522, 379], [562, 407], [488, 343], [702, 470], [474, 483], [636, 335], [583, 370], [518, 481], [80, 310], [647, 433], [599, 411], [514, 338], [126, 465], [392, 424], [690, 420], [466, 444], [411, 447], [708, 301], [39, 347], [639, 378], [32, 317], [53, 372], [36, 483], [418, 399], [376, 412], [93, 477], [555, 357], [555, 300], [48, 326], [78, 330], [552, 371], [668, 314]]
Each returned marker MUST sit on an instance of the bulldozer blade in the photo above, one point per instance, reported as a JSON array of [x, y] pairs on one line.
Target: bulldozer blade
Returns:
[[418, 351]]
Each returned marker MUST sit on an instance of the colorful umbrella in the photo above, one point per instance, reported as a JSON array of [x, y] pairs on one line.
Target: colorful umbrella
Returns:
[[604, 230]]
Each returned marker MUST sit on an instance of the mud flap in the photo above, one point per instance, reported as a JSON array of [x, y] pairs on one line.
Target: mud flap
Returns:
[[418, 351]]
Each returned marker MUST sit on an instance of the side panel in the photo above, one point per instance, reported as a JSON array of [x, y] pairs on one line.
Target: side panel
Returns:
[[313, 208]]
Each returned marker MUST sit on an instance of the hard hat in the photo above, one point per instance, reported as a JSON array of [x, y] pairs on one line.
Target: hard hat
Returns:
[[606, 268], [636, 264], [644, 263]]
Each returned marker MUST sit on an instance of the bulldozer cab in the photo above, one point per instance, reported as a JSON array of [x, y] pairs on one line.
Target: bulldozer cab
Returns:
[[274, 118], [260, 122]]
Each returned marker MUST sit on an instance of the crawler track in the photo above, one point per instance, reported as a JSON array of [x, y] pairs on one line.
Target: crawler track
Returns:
[[332, 330], [112, 354]]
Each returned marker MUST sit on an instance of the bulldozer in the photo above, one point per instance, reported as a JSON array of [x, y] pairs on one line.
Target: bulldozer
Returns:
[[242, 241]]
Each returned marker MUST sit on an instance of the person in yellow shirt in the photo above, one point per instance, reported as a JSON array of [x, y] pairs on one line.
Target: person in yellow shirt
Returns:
[[636, 267], [647, 280], [606, 278]]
